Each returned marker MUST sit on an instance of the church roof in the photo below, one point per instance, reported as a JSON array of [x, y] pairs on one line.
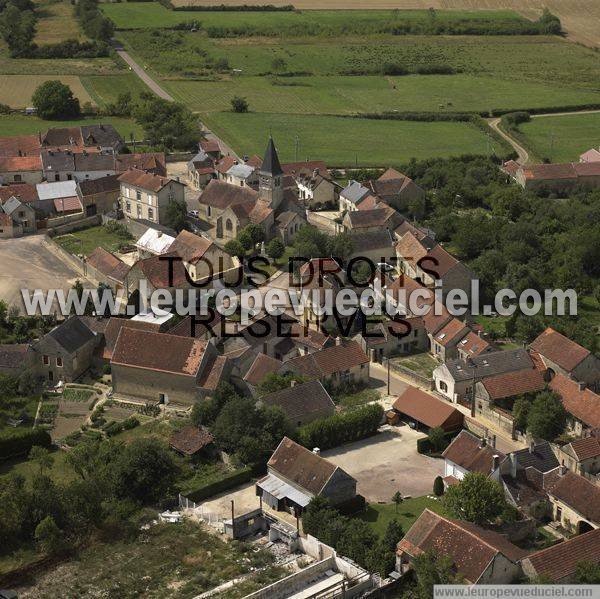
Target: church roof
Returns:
[[271, 165]]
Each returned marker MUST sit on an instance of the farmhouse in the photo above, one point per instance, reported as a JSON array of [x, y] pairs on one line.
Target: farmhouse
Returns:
[[159, 367], [201, 169], [479, 555], [563, 356], [582, 456], [20, 169], [21, 214], [582, 404], [575, 503], [559, 563], [427, 412], [296, 475], [99, 196], [559, 178], [99, 138]]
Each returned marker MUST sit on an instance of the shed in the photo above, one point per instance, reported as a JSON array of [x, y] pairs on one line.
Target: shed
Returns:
[[427, 411]]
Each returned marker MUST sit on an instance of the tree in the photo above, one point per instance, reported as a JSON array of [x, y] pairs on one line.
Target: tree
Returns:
[[275, 248], [55, 100], [275, 382], [41, 456], [341, 246], [476, 498], [547, 416], [256, 232], [176, 215], [431, 570], [245, 239], [397, 499], [520, 412], [438, 486], [382, 556], [17, 28], [49, 536], [437, 438], [239, 104], [587, 572], [234, 248], [167, 124]]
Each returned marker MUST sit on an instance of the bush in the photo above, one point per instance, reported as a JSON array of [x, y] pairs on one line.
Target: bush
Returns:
[[239, 477], [424, 444], [438, 486], [20, 442], [239, 104], [341, 428]]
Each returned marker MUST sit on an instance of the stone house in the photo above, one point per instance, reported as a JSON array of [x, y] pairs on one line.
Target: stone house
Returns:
[[66, 352], [22, 215], [382, 217], [200, 170], [582, 404], [105, 267], [316, 190], [99, 196], [559, 178], [20, 169], [344, 363], [575, 503], [563, 356], [242, 175], [481, 556], [396, 189], [351, 196], [581, 456], [288, 224], [66, 165], [444, 343], [296, 475], [159, 367], [145, 195]]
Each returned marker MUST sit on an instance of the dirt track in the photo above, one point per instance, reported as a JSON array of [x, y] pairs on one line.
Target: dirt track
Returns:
[[580, 18]]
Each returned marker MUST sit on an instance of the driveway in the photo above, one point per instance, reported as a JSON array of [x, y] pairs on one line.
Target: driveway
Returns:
[[28, 264], [386, 463]]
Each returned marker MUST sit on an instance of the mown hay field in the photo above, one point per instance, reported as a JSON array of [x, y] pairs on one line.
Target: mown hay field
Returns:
[[16, 90], [56, 23]]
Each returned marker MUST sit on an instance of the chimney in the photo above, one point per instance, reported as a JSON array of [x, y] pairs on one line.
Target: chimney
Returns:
[[159, 234], [292, 383], [338, 340], [531, 446], [317, 451], [581, 385], [482, 443], [513, 465], [315, 172], [562, 470], [496, 462]]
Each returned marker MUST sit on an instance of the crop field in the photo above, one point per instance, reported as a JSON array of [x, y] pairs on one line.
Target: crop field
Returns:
[[105, 88], [18, 124], [561, 138], [56, 23], [16, 90], [136, 15], [344, 141]]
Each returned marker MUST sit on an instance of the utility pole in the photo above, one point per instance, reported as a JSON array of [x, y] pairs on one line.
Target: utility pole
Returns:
[[297, 146], [388, 376]]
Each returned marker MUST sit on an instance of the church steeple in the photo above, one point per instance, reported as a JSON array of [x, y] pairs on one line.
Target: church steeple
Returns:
[[270, 186]]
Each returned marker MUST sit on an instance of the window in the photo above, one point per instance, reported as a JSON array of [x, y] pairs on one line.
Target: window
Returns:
[[558, 514], [443, 386], [150, 214], [59, 362], [45, 360], [57, 177], [128, 207], [229, 225], [18, 178], [139, 211], [21, 214], [69, 177], [138, 196]]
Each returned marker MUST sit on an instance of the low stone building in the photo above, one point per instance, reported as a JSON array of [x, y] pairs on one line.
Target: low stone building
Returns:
[[99, 196], [582, 456], [582, 404], [296, 475]]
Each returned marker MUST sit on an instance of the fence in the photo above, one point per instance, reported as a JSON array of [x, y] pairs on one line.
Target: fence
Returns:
[[200, 511]]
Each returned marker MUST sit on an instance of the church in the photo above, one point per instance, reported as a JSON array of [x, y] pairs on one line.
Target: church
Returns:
[[272, 202]]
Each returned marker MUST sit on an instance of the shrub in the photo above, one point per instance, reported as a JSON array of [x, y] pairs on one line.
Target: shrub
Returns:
[[438, 486], [20, 442], [239, 104], [239, 477]]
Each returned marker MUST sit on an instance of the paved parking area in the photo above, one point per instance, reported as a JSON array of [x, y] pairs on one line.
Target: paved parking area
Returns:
[[386, 463], [28, 264]]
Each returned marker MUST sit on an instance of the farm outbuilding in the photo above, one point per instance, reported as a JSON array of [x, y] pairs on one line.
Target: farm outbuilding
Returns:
[[426, 412]]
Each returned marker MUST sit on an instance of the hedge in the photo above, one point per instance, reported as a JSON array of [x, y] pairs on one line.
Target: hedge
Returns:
[[424, 446], [20, 442], [230, 8], [239, 477], [335, 430]]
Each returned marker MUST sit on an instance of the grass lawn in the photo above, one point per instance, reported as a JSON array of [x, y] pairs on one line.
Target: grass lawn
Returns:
[[16, 90], [56, 23], [343, 141], [493, 324], [87, 240], [166, 560], [18, 124], [360, 398], [60, 472], [136, 15], [106, 88], [422, 363], [16, 408], [561, 138], [378, 516]]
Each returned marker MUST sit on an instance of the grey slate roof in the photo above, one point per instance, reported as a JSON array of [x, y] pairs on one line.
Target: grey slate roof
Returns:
[[271, 165], [542, 457], [371, 240], [489, 364], [72, 334], [241, 171], [11, 205], [354, 191]]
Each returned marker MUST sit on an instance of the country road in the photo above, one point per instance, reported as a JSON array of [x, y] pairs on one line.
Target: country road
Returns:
[[523, 155], [161, 93]]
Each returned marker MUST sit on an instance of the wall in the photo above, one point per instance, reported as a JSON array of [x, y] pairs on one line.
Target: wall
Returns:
[[61, 225]]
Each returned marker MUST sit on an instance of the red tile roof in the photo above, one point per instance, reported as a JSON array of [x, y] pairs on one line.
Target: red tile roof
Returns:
[[20, 163], [473, 344], [144, 180], [451, 332], [470, 547], [510, 384], [210, 145], [259, 369], [543, 172], [25, 144], [219, 194], [159, 351], [586, 449], [22, 191], [559, 349], [579, 494], [583, 404], [190, 440], [156, 272], [469, 452], [328, 361], [113, 328], [428, 410], [68, 204], [213, 373], [559, 562], [190, 247], [260, 212], [108, 264]]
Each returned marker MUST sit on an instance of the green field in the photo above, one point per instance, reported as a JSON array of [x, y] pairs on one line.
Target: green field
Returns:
[[87, 240], [348, 141], [138, 15], [561, 138], [17, 124], [16, 90], [105, 88]]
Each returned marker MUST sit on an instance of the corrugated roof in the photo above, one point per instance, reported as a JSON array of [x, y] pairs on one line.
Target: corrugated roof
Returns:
[[56, 189]]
